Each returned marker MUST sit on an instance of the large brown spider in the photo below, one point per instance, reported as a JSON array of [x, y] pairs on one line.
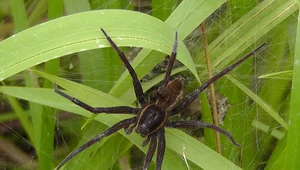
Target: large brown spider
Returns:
[[151, 119]]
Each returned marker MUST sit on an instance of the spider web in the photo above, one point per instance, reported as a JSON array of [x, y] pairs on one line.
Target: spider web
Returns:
[[101, 69]]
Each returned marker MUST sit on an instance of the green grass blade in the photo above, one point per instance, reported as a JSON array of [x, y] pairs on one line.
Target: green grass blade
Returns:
[[178, 141], [260, 102], [233, 42], [277, 162], [55, 8], [39, 9], [21, 23], [45, 42], [249, 29], [73, 6], [184, 16], [44, 122], [162, 8], [22, 116], [282, 75], [19, 15], [84, 91], [293, 138], [184, 24]]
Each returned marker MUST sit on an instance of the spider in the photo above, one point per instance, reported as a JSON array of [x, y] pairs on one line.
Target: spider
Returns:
[[150, 120]]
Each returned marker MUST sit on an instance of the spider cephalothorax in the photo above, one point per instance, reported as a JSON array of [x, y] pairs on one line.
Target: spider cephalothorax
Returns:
[[151, 119]]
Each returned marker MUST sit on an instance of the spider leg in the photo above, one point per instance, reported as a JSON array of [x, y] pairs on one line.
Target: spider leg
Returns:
[[199, 124], [160, 149], [148, 139], [150, 153], [107, 132], [189, 99], [95, 110], [170, 64], [130, 128], [136, 83]]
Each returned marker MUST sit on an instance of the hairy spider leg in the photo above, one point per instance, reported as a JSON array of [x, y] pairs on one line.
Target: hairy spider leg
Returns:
[[136, 83], [189, 99], [157, 141], [120, 125], [156, 137], [96, 110], [170, 65], [150, 153], [199, 124], [160, 149]]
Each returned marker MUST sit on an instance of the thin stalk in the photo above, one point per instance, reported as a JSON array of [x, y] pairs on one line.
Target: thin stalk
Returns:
[[211, 88]]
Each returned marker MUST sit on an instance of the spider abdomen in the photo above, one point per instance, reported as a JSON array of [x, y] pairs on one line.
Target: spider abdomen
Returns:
[[151, 119], [170, 94]]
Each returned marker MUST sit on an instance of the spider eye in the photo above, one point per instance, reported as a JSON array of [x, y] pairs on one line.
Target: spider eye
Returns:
[[151, 119]]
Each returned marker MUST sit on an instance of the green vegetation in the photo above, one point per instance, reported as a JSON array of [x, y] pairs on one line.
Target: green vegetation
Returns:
[[60, 40]]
